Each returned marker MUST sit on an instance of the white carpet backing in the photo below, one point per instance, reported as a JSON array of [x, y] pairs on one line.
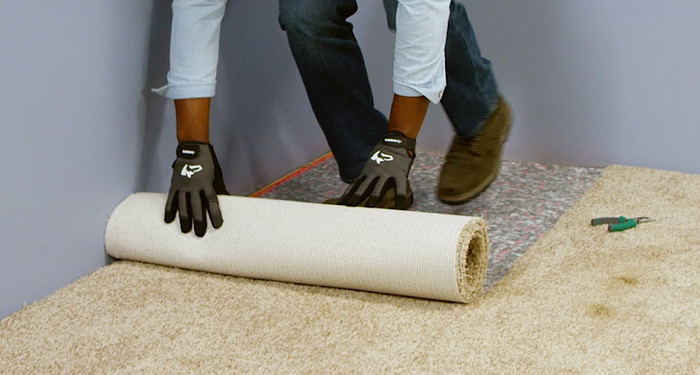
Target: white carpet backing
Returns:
[[415, 254]]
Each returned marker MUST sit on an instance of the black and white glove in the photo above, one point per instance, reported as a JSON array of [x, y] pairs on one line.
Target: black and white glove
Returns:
[[387, 168], [196, 181]]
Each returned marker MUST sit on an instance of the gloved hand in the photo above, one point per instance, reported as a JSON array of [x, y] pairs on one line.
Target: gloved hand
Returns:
[[387, 168], [196, 181]]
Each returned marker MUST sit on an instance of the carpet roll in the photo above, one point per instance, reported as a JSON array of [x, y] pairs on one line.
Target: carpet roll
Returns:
[[424, 255]]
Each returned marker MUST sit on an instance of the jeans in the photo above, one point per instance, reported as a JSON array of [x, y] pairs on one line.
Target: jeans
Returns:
[[333, 71]]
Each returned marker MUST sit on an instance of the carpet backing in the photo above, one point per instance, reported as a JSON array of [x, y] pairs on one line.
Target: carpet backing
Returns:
[[581, 300], [408, 253]]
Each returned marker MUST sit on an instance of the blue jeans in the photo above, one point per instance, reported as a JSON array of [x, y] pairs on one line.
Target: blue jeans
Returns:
[[333, 71]]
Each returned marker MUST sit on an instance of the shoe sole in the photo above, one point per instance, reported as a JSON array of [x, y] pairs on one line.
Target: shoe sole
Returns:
[[463, 198]]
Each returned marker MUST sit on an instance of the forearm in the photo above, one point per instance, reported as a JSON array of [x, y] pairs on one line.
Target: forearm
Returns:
[[194, 54], [407, 114], [192, 117]]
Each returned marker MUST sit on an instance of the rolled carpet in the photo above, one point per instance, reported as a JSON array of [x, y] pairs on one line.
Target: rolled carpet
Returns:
[[425, 255]]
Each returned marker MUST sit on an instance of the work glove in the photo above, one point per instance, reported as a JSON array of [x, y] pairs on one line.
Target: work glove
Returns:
[[196, 181], [387, 168]]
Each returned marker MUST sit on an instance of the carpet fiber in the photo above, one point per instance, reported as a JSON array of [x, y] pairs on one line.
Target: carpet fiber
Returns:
[[580, 300]]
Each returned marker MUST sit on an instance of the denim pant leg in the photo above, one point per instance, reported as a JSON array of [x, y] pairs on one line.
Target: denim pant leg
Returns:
[[471, 93], [333, 71]]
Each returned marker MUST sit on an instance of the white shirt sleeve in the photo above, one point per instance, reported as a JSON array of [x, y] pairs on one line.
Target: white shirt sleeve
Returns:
[[419, 52], [194, 49]]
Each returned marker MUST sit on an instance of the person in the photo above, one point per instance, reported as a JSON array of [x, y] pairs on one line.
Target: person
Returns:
[[434, 39], [436, 58]]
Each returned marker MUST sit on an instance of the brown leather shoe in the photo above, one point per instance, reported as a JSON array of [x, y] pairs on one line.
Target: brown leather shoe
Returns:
[[472, 163]]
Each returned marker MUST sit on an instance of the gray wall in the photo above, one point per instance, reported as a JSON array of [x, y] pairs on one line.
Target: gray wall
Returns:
[[591, 83], [71, 117], [598, 82], [81, 129]]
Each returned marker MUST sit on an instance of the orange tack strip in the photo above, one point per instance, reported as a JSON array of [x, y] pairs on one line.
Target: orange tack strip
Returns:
[[292, 174]]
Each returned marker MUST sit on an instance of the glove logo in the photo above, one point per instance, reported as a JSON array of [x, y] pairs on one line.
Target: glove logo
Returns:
[[380, 157], [189, 170]]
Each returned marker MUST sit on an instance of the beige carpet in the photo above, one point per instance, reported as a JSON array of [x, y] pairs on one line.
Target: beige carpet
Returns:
[[580, 300]]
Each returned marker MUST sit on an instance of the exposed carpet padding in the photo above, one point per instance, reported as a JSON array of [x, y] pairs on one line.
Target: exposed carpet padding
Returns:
[[414, 254], [520, 206], [580, 300]]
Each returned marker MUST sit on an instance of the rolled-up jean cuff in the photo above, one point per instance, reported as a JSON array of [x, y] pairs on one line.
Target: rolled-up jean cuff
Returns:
[[434, 94], [187, 91]]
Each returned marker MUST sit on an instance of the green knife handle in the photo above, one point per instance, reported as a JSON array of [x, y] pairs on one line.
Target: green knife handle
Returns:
[[622, 226]]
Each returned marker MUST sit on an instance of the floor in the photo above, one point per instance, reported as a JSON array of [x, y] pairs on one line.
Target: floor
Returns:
[[522, 204]]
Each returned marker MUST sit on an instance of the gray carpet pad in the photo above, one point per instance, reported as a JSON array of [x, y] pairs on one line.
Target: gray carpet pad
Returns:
[[522, 204]]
